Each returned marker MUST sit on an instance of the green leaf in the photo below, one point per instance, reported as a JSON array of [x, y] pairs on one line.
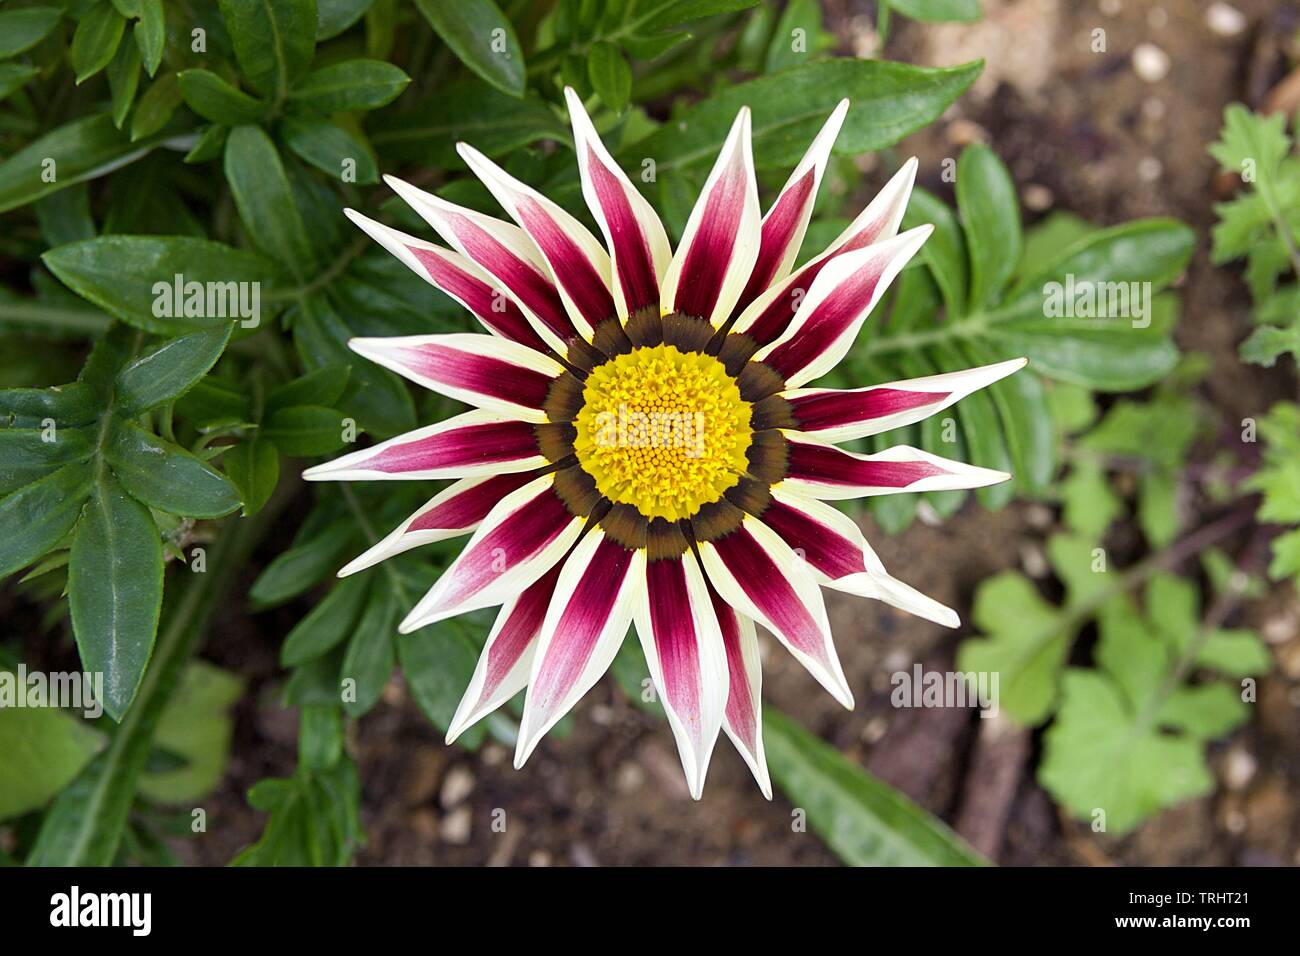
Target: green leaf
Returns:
[[151, 34], [156, 107], [866, 822], [123, 81], [115, 591], [376, 397], [1089, 502], [438, 662], [326, 624], [1025, 639], [890, 100], [169, 371], [329, 146], [322, 387], [1096, 759], [481, 37], [24, 450], [788, 47], [166, 476], [610, 75], [213, 98], [133, 278], [83, 149], [945, 250], [274, 41], [22, 29], [14, 76], [36, 517], [466, 110], [304, 431], [304, 565], [196, 725], [939, 11], [254, 466], [95, 40], [351, 85], [990, 213], [335, 16], [45, 748], [314, 819], [370, 657], [264, 199], [65, 216]]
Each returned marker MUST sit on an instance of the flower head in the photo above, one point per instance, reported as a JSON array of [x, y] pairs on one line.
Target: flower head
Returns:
[[643, 447]]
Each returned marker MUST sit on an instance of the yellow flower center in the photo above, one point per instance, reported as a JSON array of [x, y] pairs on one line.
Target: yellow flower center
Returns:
[[663, 430]]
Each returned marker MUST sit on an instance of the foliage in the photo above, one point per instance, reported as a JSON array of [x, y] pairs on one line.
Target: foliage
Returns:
[[152, 152], [1262, 225]]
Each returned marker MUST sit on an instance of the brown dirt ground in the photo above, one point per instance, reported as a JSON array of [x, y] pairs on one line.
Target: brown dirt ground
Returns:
[[1103, 143]]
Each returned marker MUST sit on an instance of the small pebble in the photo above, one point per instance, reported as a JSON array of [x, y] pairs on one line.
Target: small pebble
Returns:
[[1111, 8], [492, 755], [875, 729], [1280, 629], [1149, 169], [539, 858], [1153, 109], [1238, 769], [1037, 197], [1225, 20], [630, 777], [455, 827], [458, 784], [963, 132], [925, 511], [1150, 62], [1034, 561], [1157, 18]]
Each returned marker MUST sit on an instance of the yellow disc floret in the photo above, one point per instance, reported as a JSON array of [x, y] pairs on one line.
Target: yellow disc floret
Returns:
[[663, 430]]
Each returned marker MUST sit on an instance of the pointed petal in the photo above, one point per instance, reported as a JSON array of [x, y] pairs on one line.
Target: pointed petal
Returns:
[[458, 277], [638, 246], [819, 470], [838, 415], [720, 243], [761, 577], [507, 656], [768, 316], [836, 305], [521, 538], [743, 718], [503, 251], [840, 558], [787, 221], [475, 443], [586, 622], [481, 370], [454, 511], [577, 261], [679, 633]]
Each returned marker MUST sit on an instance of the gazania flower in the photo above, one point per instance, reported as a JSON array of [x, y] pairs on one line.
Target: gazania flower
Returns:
[[643, 447]]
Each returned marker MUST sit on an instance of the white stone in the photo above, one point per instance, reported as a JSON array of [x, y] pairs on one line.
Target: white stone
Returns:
[[1150, 62], [1224, 19]]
